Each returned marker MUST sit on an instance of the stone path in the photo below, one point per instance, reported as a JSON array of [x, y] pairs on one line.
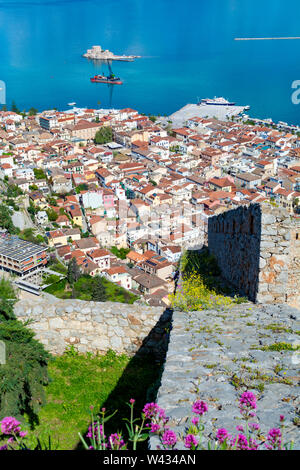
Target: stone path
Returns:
[[216, 355]]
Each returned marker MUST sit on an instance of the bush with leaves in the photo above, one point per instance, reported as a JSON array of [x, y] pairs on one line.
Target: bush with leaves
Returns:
[[24, 374]]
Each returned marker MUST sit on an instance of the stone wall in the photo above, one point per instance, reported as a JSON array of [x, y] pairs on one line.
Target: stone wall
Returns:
[[96, 326], [258, 252]]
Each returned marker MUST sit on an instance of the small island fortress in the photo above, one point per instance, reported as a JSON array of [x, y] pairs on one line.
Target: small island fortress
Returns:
[[97, 53]]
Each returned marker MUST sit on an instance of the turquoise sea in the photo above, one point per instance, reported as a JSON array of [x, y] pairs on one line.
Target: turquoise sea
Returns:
[[188, 51]]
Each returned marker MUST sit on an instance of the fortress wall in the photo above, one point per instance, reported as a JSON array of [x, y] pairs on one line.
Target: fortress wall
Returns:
[[257, 251], [96, 326]]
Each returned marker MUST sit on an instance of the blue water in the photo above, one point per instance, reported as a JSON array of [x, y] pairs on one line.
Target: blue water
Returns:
[[188, 51]]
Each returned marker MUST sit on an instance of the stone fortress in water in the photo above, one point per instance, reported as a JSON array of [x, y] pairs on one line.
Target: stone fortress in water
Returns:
[[97, 53]]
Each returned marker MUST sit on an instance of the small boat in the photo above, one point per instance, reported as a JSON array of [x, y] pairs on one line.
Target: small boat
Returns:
[[111, 79]]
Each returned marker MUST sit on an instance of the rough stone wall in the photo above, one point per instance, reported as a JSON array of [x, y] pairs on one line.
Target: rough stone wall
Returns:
[[293, 290], [96, 326], [257, 251]]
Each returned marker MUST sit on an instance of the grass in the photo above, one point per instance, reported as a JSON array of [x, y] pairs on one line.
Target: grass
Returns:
[[83, 290], [79, 381]]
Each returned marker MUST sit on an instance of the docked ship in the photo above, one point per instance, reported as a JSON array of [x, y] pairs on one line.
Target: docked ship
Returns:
[[216, 102], [111, 79], [97, 53]]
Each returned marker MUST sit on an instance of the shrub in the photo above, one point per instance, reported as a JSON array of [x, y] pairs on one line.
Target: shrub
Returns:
[[192, 294], [25, 372]]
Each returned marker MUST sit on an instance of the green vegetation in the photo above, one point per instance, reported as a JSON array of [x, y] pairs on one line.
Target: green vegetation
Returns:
[[32, 111], [104, 135], [120, 253], [79, 381], [13, 191], [39, 174], [24, 374], [85, 287], [6, 220], [281, 346], [201, 287], [52, 215], [81, 187], [28, 235]]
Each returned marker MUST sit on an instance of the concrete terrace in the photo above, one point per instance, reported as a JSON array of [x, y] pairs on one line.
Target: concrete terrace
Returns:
[[193, 110]]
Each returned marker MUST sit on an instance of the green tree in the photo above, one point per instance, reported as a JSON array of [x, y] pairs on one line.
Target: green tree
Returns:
[[24, 374], [52, 214], [8, 297], [32, 111], [14, 108], [104, 135], [6, 220], [98, 290], [73, 271], [39, 174]]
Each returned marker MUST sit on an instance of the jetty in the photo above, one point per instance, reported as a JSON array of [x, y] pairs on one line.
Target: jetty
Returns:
[[264, 39], [97, 53]]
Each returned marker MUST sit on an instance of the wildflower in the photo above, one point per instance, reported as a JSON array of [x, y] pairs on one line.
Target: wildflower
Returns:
[[199, 407], [274, 439], [240, 428], [248, 404], [169, 438], [3, 447], [254, 426], [132, 401], [154, 427], [195, 420], [94, 433], [10, 425], [116, 441], [152, 410], [222, 435], [190, 441], [281, 417], [240, 442]]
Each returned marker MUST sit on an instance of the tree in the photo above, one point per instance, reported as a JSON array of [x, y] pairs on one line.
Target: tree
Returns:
[[32, 111], [6, 220], [39, 174], [104, 135], [8, 298], [24, 374], [98, 290], [14, 108], [52, 214], [73, 271]]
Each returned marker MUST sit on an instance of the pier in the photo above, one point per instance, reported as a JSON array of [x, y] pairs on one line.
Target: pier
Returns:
[[264, 39]]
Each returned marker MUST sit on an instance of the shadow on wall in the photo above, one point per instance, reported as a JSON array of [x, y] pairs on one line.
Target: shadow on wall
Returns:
[[234, 237], [140, 379]]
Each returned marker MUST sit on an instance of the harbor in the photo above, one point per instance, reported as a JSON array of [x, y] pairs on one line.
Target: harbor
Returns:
[[220, 111]]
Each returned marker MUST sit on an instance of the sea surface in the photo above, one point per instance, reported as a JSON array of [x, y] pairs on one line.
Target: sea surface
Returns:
[[187, 47]]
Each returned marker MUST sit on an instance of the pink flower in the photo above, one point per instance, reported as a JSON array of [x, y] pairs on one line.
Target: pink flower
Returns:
[[169, 438], [10, 425], [199, 407], [195, 420], [23, 433], [247, 404], [132, 401], [274, 439], [190, 441], [222, 435]]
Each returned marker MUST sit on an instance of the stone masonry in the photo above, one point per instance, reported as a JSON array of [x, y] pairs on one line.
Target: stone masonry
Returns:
[[96, 326], [258, 251]]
